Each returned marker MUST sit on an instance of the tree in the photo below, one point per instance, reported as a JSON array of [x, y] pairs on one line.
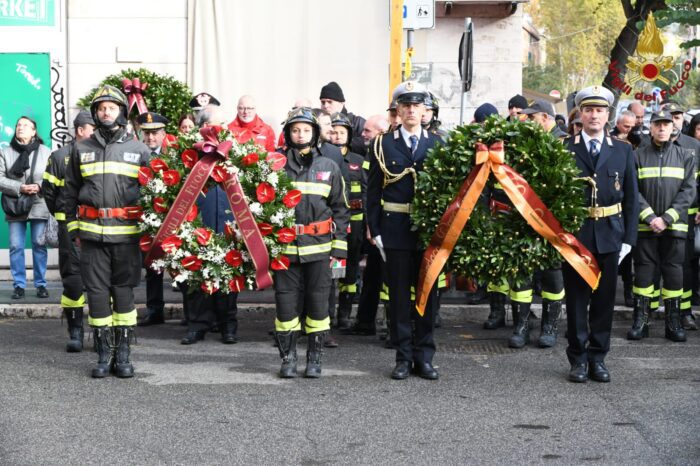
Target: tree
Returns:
[[683, 12]]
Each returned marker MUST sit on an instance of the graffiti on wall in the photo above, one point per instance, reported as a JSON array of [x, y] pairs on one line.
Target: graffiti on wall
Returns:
[[59, 131]]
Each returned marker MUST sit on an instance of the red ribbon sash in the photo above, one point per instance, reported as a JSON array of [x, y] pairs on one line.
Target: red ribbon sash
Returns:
[[525, 200], [134, 91], [249, 229]]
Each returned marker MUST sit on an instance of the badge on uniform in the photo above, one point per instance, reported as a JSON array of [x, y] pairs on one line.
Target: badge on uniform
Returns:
[[87, 157], [353, 166], [617, 181], [131, 157], [323, 176], [67, 160]]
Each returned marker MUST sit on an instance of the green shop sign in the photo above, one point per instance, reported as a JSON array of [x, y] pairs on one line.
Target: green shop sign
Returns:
[[26, 13]]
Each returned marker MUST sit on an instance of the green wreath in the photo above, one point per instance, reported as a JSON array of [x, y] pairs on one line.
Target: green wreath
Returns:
[[165, 95], [501, 246]]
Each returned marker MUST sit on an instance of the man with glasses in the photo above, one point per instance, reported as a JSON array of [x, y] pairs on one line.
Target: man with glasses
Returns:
[[248, 125]]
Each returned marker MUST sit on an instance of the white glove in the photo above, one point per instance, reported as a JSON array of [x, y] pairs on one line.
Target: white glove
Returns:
[[378, 242], [624, 250]]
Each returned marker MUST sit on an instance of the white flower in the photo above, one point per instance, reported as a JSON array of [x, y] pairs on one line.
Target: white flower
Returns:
[[273, 179], [256, 209], [156, 185], [277, 218], [182, 276]]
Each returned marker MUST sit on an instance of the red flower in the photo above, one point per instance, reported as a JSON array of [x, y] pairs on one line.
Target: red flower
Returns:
[[189, 158], [209, 288], [192, 214], [277, 161], [250, 159], [171, 244], [145, 243], [265, 228], [158, 165], [280, 263], [219, 174], [170, 141], [228, 231], [265, 193], [160, 205], [286, 235], [292, 198], [233, 258], [237, 284], [191, 263], [171, 177], [217, 128], [145, 175], [202, 235]]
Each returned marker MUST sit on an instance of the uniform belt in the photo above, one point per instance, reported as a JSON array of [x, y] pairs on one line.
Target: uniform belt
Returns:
[[124, 213], [317, 228], [600, 212], [355, 204], [398, 208]]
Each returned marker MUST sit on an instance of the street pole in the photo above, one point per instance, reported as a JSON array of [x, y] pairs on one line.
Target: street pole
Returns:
[[395, 45], [409, 46]]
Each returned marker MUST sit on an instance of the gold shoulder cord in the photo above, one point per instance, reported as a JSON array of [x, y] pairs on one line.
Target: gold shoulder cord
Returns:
[[389, 177]]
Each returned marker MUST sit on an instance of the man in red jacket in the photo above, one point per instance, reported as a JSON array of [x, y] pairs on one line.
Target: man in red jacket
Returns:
[[248, 125]]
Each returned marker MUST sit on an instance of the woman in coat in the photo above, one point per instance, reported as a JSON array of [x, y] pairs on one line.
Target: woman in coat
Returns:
[[22, 166]]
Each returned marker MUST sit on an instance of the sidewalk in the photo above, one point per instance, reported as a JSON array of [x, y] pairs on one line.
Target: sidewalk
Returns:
[[32, 307]]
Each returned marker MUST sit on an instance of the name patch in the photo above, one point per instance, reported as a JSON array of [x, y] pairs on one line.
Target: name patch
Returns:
[[323, 176], [131, 157], [87, 157]]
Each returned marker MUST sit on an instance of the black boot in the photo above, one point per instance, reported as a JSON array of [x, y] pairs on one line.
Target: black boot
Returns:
[[122, 366], [314, 350], [688, 321], [497, 316], [521, 331], [287, 344], [551, 311], [674, 329], [76, 333], [104, 347], [344, 310], [640, 324]]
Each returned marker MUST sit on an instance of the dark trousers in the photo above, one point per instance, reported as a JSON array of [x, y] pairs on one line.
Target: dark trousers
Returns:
[[312, 280], [663, 254], [110, 270], [69, 268], [349, 282], [411, 333], [371, 285], [625, 269], [204, 310], [154, 290], [589, 314], [689, 277]]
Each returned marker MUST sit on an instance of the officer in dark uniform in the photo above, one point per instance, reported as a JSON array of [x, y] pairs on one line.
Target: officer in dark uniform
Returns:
[[102, 188], [395, 158], [430, 120], [152, 126], [608, 166], [357, 182], [72, 299], [666, 177]]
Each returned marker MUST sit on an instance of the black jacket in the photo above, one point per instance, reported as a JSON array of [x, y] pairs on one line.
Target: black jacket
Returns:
[[104, 174], [614, 169], [54, 181], [394, 228], [666, 177]]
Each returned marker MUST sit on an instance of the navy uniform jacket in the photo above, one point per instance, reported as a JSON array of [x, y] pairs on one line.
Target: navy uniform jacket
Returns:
[[395, 228], [615, 169]]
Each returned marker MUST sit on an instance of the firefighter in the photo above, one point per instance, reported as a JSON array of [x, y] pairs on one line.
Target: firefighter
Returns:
[[72, 299], [666, 176], [342, 135], [102, 189], [430, 120], [322, 220]]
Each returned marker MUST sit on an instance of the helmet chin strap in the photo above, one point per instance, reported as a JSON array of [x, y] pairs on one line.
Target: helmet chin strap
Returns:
[[300, 147]]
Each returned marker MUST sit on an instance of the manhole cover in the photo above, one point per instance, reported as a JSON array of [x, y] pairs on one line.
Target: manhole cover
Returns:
[[477, 347]]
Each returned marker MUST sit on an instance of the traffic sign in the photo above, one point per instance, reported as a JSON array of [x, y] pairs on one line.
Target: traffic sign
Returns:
[[418, 14]]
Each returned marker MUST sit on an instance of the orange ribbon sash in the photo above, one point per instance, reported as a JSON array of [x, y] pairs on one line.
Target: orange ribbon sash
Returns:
[[530, 206]]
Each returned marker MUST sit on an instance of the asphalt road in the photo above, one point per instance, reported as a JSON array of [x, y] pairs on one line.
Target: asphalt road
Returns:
[[215, 404]]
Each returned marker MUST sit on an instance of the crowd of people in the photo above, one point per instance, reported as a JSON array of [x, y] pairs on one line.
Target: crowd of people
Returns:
[[357, 179]]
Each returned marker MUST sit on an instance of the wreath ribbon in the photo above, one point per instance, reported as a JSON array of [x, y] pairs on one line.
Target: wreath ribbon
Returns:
[[491, 160], [134, 91], [187, 196]]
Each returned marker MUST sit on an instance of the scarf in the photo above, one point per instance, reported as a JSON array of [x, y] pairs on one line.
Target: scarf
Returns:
[[21, 165]]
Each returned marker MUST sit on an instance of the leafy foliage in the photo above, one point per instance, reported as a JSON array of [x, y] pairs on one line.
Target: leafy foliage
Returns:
[[503, 246], [165, 94]]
